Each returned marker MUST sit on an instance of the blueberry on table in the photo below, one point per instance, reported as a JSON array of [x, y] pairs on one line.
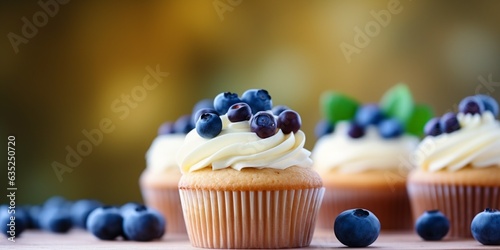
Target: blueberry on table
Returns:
[[223, 101], [289, 121], [485, 227], [105, 223], [81, 209], [432, 225], [143, 224], [433, 127], [390, 128], [202, 111], [18, 225], [356, 227], [369, 114], [276, 110], [490, 104], [56, 219], [239, 112], [449, 123], [263, 124], [471, 105], [209, 125], [322, 128], [258, 99], [183, 124], [355, 131], [33, 213]]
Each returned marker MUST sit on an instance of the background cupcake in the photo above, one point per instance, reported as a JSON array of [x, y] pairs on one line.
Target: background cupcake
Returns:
[[247, 179], [159, 181], [363, 155], [459, 164]]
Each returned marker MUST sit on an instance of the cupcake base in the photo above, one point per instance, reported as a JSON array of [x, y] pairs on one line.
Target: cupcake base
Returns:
[[458, 195]]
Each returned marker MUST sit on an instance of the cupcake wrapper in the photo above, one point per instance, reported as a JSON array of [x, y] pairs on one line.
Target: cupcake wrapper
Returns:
[[251, 219], [167, 202], [391, 208], [458, 202]]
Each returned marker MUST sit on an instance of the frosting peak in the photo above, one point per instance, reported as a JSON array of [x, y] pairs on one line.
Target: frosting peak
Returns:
[[162, 152]]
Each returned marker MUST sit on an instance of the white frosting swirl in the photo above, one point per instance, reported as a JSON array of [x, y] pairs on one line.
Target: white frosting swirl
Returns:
[[162, 152], [476, 143], [237, 147], [339, 152]]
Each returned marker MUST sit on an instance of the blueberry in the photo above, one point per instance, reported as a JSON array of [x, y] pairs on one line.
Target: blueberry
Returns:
[[369, 114], [183, 124], [143, 224], [449, 123], [209, 125], [471, 105], [322, 128], [356, 227], [278, 109], [289, 121], [223, 101], [432, 225], [433, 127], [239, 112], [56, 202], [390, 128], [106, 223], [258, 99], [128, 207], [198, 113], [34, 216], [81, 209], [263, 124], [485, 227], [490, 104], [166, 128], [55, 219], [203, 104], [355, 131], [19, 224]]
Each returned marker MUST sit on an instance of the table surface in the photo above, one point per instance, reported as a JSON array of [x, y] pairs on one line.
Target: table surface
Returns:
[[79, 239]]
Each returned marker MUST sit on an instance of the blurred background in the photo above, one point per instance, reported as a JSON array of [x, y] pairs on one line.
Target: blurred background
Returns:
[[64, 67]]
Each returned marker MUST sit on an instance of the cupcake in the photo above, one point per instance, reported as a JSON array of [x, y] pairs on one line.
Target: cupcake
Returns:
[[161, 177], [363, 155], [458, 164], [247, 181]]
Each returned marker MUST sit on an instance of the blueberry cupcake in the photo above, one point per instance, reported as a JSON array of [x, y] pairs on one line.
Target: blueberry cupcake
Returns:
[[247, 181], [363, 155], [160, 179], [458, 164]]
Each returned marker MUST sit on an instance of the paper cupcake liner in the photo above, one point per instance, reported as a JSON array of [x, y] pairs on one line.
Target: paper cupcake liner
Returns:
[[459, 203], [251, 219], [392, 208], [167, 202]]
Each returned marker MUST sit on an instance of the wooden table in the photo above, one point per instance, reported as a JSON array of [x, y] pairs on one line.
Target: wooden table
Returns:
[[79, 239]]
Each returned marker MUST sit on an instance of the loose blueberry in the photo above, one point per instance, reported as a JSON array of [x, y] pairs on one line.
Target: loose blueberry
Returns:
[[356, 227], [289, 121], [166, 128], [13, 228], [202, 104], [239, 112], [81, 209], [471, 105], [223, 101], [209, 125], [56, 220], [258, 99], [56, 202], [263, 124], [432, 225], [183, 124], [129, 207], [370, 114], [449, 123], [355, 131], [34, 216], [322, 128], [390, 128], [198, 113], [490, 104], [105, 223], [485, 227], [433, 127], [278, 109], [143, 224]]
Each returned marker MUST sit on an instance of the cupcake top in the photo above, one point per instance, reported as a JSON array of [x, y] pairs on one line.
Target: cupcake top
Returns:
[[245, 132], [356, 138], [470, 138]]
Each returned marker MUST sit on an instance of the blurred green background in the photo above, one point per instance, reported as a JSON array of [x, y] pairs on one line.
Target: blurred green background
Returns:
[[83, 57]]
